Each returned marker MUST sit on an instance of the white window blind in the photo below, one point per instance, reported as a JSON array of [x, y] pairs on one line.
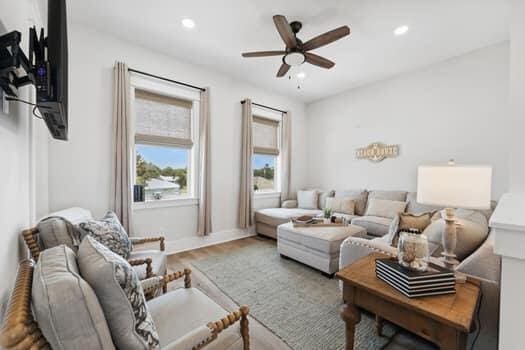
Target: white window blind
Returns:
[[162, 119], [265, 136]]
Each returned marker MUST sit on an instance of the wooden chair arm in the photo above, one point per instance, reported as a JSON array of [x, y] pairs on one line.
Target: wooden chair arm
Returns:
[[29, 236], [170, 277], [20, 330], [152, 285], [144, 240], [218, 326], [147, 262]]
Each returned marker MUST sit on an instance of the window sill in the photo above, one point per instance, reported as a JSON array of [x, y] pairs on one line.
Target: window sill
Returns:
[[166, 203], [268, 195]]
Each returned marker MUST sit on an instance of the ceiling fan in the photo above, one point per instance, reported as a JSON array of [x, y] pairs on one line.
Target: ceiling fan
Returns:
[[296, 52]]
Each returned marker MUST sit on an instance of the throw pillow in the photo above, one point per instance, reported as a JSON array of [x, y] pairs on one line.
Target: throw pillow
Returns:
[[120, 293], [307, 199], [341, 205], [109, 232], [55, 230], [323, 196], [65, 306], [359, 196], [472, 230], [405, 221], [385, 208]]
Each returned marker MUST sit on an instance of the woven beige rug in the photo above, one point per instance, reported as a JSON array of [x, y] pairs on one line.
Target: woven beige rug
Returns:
[[297, 303]]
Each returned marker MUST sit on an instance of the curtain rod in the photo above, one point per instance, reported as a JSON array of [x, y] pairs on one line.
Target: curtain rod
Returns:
[[260, 105], [166, 79]]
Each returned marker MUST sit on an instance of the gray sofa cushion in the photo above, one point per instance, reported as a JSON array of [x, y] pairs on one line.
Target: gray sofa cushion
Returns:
[[109, 232], [375, 226], [472, 231], [400, 196], [65, 305], [121, 296], [414, 207], [359, 196], [277, 216], [55, 230], [385, 208]]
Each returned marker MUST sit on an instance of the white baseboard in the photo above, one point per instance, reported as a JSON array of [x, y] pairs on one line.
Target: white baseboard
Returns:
[[191, 243]]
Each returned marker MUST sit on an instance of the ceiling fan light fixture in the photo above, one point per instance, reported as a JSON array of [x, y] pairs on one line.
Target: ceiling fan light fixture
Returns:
[[294, 59], [301, 75]]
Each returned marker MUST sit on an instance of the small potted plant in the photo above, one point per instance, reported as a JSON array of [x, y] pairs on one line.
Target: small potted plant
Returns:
[[327, 213]]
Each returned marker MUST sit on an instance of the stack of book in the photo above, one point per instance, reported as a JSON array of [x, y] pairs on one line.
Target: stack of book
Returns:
[[436, 280]]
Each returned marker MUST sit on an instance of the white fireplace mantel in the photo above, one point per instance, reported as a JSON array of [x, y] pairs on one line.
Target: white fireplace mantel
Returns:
[[508, 223]]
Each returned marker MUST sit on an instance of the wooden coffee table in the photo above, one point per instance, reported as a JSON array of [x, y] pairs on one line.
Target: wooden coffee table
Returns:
[[444, 320]]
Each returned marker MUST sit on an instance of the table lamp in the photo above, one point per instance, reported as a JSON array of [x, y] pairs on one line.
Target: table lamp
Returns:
[[454, 186]]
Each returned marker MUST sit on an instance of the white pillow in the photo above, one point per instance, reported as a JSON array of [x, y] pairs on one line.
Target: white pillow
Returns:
[[307, 199], [344, 205], [385, 208]]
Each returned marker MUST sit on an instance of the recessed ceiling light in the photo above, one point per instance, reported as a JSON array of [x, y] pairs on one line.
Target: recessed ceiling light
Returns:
[[401, 30], [301, 75], [188, 23]]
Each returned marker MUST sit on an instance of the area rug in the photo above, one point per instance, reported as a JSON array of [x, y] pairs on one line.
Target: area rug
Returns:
[[297, 303]]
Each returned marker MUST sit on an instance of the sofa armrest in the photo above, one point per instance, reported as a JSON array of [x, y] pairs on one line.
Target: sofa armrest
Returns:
[[354, 248], [290, 203], [144, 240], [483, 263]]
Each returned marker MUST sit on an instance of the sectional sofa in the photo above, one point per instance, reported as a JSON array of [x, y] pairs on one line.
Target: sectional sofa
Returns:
[[267, 220]]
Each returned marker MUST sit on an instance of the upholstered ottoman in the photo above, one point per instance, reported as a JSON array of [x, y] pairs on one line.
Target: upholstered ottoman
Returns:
[[317, 247]]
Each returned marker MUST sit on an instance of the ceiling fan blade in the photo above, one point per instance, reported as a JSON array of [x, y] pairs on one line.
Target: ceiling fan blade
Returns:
[[326, 38], [283, 70], [263, 53], [318, 60], [285, 31]]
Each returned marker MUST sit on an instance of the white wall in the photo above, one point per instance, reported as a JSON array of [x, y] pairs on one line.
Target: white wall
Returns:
[[517, 95], [23, 139], [80, 170], [453, 109]]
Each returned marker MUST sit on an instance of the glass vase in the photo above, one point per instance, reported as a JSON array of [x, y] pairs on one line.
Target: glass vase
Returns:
[[412, 251]]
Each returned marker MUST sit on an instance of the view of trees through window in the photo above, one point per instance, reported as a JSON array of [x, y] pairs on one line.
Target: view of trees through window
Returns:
[[264, 172], [163, 170]]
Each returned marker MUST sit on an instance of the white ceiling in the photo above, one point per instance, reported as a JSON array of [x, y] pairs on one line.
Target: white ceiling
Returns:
[[439, 29]]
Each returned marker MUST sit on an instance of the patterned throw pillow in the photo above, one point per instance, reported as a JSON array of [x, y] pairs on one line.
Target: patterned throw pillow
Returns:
[[121, 296], [109, 232]]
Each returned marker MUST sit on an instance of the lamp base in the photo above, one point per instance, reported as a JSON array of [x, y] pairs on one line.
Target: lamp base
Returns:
[[450, 239]]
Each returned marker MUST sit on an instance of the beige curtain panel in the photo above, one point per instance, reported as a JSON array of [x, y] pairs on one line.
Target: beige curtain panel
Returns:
[[246, 190], [204, 226], [121, 169], [286, 155]]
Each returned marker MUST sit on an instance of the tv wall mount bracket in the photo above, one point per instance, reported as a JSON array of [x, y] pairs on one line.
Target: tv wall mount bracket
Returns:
[[18, 70]]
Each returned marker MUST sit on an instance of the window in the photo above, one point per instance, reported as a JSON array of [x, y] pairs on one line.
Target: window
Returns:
[[164, 146], [265, 159]]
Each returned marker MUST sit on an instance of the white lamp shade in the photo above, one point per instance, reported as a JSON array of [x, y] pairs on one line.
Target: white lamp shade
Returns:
[[454, 186]]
